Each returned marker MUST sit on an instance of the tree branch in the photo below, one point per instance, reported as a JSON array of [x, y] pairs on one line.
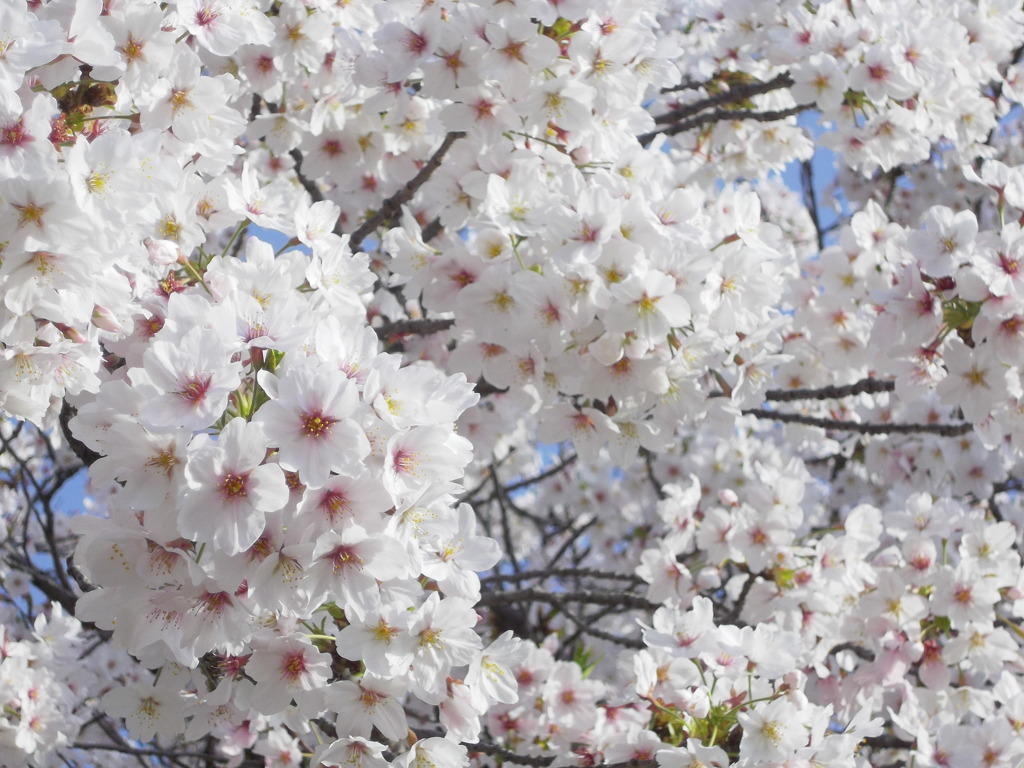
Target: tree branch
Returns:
[[593, 597], [560, 573], [721, 115], [551, 471], [869, 386], [943, 430], [807, 184], [307, 184], [393, 205], [86, 455], [587, 628], [130, 750], [739, 93], [421, 326]]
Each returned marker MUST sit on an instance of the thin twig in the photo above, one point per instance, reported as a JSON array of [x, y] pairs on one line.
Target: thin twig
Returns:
[[586, 628], [551, 471]]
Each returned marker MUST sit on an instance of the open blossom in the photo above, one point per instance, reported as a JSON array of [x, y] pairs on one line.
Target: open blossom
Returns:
[[491, 677], [309, 422], [647, 305], [771, 731], [367, 703], [381, 640], [420, 456], [221, 26], [148, 710], [349, 564], [354, 752], [288, 668], [229, 488], [190, 379]]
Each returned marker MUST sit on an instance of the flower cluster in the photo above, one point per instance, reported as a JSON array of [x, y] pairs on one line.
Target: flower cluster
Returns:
[[459, 384]]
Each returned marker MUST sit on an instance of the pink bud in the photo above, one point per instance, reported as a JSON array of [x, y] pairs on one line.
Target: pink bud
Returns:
[[71, 333], [105, 320], [162, 252]]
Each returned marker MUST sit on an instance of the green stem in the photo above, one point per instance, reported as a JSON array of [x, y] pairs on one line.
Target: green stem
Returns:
[[109, 117], [234, 236], [190, 268]]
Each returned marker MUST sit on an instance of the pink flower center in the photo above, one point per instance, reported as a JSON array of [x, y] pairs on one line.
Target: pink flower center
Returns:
[[234, 487], [334, 504], [316, 425], [344, 557], [195, 389], [205, 16], [293, 665], [14, 135], [415, 43], [405, 461]]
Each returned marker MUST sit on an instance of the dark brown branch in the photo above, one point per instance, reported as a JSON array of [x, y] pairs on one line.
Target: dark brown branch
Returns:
[[733, 95], [734, 613], [586, 627], [560, 573], [506, 529], [420, 327], [887, 741], [722, 115], [869, 386], [811, 200], [393, 205], [130, 750], [592, 597], [86, 454], [574, 535], [856, 650], [550, 472], [686, 85], [307, 184], [655, 482], [869, 428], [432, 230]]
